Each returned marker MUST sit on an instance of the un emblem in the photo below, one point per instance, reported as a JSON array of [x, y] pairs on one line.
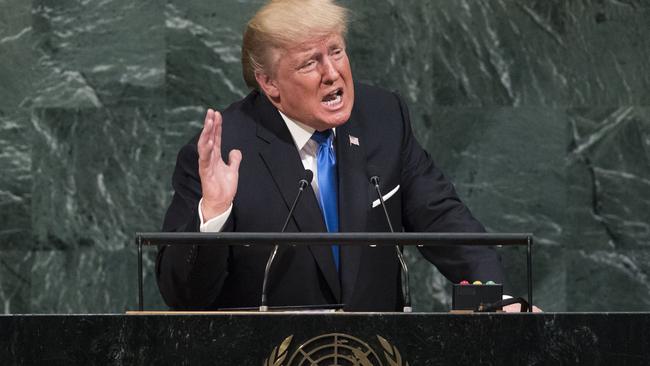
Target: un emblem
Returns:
[[334, 349]]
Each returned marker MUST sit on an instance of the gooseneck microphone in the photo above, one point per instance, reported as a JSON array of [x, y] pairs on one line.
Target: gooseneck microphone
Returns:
[[374, 180], [302, 184]]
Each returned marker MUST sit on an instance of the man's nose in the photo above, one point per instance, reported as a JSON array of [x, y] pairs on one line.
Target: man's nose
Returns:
[[330, 73]]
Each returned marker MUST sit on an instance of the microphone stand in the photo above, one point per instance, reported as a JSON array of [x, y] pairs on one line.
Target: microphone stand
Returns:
[[405, 271], [301, 187]]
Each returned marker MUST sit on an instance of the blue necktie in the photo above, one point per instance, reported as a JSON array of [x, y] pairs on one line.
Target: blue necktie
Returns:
[[328, 184]]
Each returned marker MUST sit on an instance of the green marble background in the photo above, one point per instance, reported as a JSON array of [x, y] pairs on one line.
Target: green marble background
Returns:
[[538, 110]]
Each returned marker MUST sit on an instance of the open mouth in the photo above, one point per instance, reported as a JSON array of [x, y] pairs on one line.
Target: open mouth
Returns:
[[334, 98]]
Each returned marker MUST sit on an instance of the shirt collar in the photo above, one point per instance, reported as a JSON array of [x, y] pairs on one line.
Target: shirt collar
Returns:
[[300, 132]]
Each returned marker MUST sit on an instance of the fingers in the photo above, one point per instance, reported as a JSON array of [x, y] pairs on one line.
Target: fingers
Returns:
[[209, 144], [205, 142], [234, 159], [216, 136]]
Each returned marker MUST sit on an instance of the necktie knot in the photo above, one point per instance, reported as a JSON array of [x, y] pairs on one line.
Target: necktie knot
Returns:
[[322, 137]]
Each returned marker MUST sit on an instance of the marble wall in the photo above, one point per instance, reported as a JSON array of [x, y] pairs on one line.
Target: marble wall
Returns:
[[539, 110]]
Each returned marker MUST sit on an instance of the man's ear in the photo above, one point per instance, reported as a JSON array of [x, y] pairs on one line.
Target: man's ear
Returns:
[[268, 85]]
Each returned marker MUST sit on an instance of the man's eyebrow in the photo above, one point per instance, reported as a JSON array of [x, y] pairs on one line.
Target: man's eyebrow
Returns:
[[335, 44], [298, 61], [307, 55]]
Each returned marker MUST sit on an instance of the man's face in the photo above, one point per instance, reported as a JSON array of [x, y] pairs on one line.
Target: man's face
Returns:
[[312, 83]]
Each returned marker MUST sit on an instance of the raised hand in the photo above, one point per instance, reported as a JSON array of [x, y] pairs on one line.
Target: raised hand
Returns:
[[218, 179]]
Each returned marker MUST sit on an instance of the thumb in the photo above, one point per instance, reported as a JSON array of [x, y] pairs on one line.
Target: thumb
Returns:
[[234, 158]]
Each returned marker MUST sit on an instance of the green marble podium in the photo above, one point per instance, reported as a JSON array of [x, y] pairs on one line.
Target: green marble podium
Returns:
[[326, 339]]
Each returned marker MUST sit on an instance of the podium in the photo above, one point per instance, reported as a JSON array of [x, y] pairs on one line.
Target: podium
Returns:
[[289, 339], [355, 238], [326, 338]]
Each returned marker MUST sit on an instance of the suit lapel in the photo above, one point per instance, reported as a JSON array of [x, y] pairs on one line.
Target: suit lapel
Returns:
[[278, 151], [353, 198]]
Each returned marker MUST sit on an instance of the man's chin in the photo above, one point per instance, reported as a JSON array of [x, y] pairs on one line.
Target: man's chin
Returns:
[[336, 120]]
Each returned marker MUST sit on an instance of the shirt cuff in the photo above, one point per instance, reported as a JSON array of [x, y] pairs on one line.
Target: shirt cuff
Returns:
[[215, 224]]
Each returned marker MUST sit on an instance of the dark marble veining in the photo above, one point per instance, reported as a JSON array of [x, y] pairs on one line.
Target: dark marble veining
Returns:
[[419, 339], [537, 110]]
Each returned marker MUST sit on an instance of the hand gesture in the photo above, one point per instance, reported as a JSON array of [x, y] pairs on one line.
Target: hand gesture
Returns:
[[218, 179]]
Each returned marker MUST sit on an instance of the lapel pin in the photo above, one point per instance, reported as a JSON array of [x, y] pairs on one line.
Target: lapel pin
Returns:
[[354, 140]]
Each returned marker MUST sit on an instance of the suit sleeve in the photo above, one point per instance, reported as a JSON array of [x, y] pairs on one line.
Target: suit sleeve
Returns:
[[189, 276], [432, 205]]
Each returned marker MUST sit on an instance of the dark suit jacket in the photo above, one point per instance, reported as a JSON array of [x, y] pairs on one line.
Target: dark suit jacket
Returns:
[[205, 277]]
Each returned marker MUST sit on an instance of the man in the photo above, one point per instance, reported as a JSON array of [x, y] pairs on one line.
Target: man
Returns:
[[305, 112]]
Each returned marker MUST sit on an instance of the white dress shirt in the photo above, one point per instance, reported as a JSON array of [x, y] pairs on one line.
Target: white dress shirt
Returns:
[[307, 149]]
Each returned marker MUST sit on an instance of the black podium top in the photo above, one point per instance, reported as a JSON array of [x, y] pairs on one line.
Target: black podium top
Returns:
[[255, 339]]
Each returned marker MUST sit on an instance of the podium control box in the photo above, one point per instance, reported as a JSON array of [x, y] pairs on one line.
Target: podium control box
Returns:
[[470, 297]]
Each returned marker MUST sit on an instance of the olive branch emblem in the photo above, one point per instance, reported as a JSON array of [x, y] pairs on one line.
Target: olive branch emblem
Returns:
[[278, 354], [391, 353], [358, 353]]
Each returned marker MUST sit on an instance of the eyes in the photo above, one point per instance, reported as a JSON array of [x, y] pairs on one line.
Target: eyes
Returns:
[[335, 53], [308, 65]]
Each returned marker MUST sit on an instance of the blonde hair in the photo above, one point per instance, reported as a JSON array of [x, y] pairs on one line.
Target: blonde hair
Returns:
[[281, 24]]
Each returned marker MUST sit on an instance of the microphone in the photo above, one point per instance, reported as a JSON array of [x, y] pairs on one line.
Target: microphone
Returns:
[[302, 184], [374, 180]]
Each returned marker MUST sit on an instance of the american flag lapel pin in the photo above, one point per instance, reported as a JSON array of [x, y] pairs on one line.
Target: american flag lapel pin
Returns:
[[354, 140]]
